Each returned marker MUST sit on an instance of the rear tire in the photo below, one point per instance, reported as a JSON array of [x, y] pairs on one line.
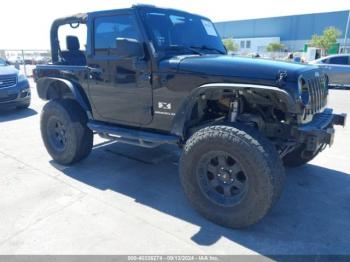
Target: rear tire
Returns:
[[64, 131], [231, 175]]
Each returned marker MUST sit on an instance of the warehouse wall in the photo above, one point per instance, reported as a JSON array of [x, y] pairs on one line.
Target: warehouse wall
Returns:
[[288, 28]]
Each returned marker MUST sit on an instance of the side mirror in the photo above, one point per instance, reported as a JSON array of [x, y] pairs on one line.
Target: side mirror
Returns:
[[129, 48]]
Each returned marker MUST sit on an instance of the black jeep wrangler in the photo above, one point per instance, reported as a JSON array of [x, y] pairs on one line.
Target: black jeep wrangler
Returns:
[[152, 76]]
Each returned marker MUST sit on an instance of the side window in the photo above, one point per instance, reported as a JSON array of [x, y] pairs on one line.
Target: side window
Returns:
[[339, 60], [109, 28], [248, 44], [66, 30]]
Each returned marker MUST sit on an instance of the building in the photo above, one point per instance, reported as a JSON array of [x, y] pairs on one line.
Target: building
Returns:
[[292, 31]]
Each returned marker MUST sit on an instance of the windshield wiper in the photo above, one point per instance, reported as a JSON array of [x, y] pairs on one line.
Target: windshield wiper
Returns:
[[183, 47], [204, 47]]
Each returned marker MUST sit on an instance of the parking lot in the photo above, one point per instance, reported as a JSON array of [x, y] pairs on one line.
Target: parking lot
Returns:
[[128, 200]]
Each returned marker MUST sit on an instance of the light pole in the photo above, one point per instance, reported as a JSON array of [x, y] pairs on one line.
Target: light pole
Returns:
[[346, 31]]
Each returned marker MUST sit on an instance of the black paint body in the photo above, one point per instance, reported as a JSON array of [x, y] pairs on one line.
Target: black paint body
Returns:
[[130, 91]]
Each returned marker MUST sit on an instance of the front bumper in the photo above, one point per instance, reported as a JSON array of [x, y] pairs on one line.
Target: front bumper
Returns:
[[15, 103], [320, 131], [18, 95]]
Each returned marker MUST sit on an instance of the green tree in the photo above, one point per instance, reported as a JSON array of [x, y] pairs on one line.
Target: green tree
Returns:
[[325, 41], [275, 47], [230, 45]]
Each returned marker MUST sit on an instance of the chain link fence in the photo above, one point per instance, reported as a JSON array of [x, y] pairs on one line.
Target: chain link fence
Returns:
[[26, 60]]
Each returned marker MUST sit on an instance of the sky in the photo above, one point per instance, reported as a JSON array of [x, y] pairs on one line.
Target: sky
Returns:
[[25, 24]]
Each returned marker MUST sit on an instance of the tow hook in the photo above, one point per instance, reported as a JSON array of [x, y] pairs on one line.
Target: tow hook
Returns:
[[339, 120]]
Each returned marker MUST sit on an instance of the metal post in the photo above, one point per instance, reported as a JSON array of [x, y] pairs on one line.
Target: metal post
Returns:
[[346, 31], [24, 64]]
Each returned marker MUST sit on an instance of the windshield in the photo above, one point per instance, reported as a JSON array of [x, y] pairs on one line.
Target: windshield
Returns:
[[171, 30], [2, 62]]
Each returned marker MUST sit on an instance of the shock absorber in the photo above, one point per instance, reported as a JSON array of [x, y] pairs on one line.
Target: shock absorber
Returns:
[[234, 110]]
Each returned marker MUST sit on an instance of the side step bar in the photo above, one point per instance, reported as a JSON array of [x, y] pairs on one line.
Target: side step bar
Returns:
[[132, 136]]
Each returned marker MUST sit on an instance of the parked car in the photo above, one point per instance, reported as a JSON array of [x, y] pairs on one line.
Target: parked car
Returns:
[[337, 68], [153, 76], [29, 61], [41, 60], [13, 60], [14, 87]]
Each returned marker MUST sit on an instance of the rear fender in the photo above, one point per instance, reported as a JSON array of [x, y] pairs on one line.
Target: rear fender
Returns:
[[49, 88]]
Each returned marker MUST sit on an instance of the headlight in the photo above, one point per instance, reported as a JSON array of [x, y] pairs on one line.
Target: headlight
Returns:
[[21, 77]]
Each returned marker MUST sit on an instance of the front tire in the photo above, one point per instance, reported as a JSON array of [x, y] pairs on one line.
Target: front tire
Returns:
[[64, 131], [231, 175]]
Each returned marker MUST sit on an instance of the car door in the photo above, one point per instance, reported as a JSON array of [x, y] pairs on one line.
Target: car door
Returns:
[[119, 88], [339, 70]]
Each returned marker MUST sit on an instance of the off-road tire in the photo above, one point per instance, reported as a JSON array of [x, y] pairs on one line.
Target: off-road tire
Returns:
[[295, 159], [254, 153], [78, 137]]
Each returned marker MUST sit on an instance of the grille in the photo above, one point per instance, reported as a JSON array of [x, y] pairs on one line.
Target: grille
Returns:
[[8, 98], [318, 92], [8, 80]]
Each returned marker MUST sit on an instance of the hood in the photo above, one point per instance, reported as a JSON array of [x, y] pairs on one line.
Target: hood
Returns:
[[8, 70], [249, 68]]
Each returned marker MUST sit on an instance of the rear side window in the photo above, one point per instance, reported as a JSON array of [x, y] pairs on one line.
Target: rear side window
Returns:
[[66, 30], [109, 28], [339, 60]]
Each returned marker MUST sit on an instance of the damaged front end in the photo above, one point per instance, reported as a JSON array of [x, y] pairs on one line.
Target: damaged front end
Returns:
[[318, 133], [316, 124]]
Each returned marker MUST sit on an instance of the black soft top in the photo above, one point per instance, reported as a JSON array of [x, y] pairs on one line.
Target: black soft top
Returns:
[[78, 18]]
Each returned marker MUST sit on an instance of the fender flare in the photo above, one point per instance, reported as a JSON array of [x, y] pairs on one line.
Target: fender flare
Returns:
[[44, 84], [187, 105]]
